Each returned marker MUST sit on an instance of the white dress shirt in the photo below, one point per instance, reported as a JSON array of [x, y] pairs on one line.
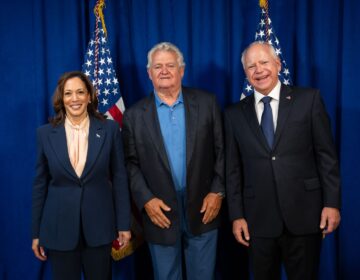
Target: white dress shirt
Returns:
[[274, 103]]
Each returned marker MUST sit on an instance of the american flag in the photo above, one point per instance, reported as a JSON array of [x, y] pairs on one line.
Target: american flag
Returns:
[[98, 66], [265, 32]]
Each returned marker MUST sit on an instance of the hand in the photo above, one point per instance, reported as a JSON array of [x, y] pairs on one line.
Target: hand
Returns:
[[39, 251], [124, 238], [154, 208], [330, 220], [211, 207], [241, 232]]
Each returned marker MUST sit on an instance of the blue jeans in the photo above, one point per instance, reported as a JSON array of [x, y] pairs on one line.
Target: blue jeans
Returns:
[[199, 253]]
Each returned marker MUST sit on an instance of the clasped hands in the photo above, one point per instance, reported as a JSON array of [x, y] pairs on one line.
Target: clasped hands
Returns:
[[155, 209]]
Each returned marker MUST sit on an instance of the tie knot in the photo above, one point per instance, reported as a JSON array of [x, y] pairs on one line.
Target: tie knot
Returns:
[[266, 99]]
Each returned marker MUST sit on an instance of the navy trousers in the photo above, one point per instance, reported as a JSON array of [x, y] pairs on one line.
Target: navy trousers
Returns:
[[94, 262]]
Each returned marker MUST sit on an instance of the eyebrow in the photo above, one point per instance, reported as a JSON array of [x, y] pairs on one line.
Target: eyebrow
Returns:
[[75, 90]]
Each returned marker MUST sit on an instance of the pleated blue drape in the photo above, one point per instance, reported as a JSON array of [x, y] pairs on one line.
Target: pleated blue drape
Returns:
[[42, 39]]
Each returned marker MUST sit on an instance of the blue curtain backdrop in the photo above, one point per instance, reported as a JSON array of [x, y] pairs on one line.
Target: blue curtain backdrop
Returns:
[[41, 39]]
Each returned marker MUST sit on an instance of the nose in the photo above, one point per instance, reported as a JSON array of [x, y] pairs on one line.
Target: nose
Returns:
[[74, 96], [164, 70], [258, 68]]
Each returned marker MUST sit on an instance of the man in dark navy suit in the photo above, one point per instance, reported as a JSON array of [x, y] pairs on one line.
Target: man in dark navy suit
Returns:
[[282, 175], [174, 156]]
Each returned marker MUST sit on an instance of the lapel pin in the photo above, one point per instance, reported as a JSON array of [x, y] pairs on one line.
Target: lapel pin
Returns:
[[288, 97], [97, 135]]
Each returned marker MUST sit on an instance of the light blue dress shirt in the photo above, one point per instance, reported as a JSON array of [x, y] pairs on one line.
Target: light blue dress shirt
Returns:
[[172, 124]]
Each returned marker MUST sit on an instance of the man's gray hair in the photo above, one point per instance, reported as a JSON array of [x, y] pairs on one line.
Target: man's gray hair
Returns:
[[168, 47], [263, 43]]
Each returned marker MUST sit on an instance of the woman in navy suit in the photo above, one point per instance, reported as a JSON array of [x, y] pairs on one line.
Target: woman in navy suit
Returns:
[[80, 200]]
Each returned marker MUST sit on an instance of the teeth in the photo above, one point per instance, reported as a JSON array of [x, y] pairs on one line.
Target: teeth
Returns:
[[262, 78]]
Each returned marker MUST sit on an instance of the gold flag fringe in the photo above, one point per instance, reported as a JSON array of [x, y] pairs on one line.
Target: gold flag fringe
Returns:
[[98, 11]]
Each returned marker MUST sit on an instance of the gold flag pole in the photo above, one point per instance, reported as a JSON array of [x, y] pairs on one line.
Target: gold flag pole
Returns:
[[137, 238], [99, 16], [264, 4]]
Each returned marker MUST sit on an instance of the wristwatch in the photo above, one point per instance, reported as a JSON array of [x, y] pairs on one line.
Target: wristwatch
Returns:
[[221, 194]]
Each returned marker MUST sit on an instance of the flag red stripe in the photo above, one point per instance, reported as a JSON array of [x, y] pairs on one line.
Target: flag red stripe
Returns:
[[117, 115]]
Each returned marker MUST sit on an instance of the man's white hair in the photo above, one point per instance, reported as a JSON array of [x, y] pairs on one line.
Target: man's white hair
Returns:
[[263, 43], [168, 47]]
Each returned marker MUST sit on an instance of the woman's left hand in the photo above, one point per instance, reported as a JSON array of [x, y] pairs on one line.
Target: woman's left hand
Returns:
[[39, 251], [124, 238]]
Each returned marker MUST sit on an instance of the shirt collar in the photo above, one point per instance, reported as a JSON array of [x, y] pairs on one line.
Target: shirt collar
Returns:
[[82, 125], [159, 102], [274, 94]]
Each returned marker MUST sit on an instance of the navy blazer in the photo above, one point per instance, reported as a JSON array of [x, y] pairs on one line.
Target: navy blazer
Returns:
[[149, 170], [98, 200], [290, 183]]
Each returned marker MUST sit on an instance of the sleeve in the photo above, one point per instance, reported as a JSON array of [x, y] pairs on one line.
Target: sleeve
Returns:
[[218, 183], [234, 173], [40, 186], [138, 186], [326, 158], [120, 183]]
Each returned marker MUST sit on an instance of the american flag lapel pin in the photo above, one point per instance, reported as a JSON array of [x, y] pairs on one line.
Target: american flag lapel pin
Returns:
[[288, 97]]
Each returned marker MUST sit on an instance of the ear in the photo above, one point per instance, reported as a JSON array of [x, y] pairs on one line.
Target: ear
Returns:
[[149, 73], [182, 71], [278, 64]]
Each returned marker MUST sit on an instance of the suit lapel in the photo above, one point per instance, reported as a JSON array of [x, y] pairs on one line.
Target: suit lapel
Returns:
[[97, 135], [58, 143], [285, 104], [248, 106], [191, 121], [152, 125]]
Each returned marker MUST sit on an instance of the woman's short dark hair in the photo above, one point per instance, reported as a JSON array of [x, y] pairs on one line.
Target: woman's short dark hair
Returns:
[[58, 102]]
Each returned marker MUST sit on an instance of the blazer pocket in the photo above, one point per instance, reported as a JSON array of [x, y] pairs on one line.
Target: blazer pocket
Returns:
[[297, 123], [249, 193], [312, 184]]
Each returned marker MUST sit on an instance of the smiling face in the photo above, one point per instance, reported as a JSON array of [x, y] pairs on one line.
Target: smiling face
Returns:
[[75, 98], [165, 72], [261, 68]]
